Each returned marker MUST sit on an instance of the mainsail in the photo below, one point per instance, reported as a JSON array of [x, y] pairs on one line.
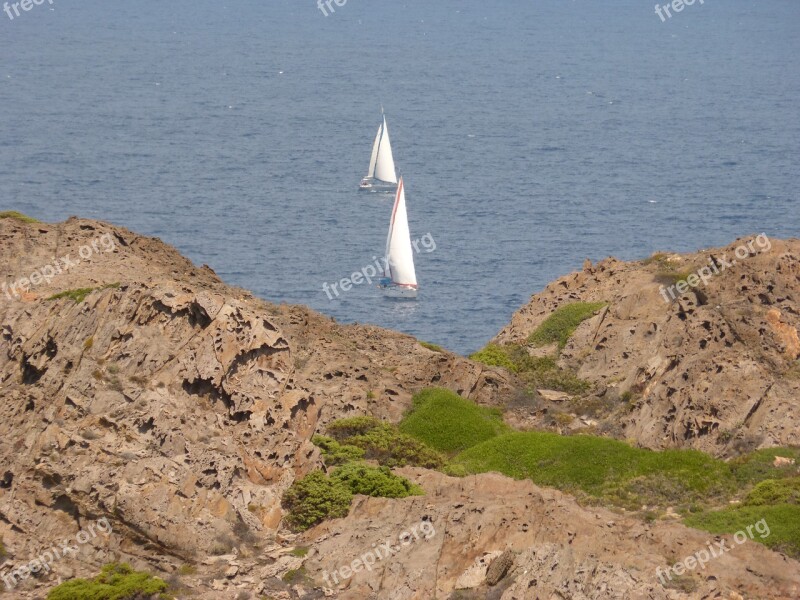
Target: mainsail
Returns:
[[398, 244], [384, 161]]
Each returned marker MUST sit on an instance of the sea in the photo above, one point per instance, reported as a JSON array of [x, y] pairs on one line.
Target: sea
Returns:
[[531, 135]]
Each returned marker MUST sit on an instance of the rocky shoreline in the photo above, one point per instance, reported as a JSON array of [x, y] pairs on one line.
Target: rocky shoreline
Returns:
[[141, 389]]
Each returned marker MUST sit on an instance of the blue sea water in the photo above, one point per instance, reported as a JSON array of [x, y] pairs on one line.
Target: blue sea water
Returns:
[[531, 136]]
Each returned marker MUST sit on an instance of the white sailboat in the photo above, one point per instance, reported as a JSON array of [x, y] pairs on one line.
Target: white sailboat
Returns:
[[400, 278], [381, 175]]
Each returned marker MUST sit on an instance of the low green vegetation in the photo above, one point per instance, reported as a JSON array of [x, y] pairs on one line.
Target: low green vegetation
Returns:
[[187, 570], [299, 551], [669, 272], [293, 576], [774, 491], [537, 372], [363, 479], [494, 355], [375, 440], [783, 521], [543, 372], [79, 295], [448, 423], [13, 214], [612, 473], [597, 470], [562, 323], [607, 470], [658, 258], [429, 346], [116, 581], [334, 453], [760, 465], [317, 496]]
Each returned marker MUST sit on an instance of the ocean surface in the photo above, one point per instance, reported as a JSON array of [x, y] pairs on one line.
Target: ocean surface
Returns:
[[531, 136]]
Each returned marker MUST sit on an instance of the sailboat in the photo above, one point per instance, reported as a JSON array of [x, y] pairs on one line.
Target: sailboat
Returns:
[[381, 175], [400, 278]]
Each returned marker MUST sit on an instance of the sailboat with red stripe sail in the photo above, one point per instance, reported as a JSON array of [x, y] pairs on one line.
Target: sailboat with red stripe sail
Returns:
[[400, 278]]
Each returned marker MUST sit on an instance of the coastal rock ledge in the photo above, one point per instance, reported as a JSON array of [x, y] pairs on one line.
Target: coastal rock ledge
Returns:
[[179, 409]]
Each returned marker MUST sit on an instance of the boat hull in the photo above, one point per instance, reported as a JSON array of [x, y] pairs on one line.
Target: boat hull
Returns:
[[376, 185], [400, 292]]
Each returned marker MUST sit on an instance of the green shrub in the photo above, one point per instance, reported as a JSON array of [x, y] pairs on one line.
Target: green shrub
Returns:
[[79, 295], [774, 491], [293, 576], [783, 521], [299, 551], [346, 428], [540, 372], [543, 372], [13, 214], [600, 467], [494, 355], [382, 442], [759, 466], [563, 322], [316, 498], [433, 347], [115, 582], [335, 453], [448, 423], [454, 470], [374, 481], [659, 258]]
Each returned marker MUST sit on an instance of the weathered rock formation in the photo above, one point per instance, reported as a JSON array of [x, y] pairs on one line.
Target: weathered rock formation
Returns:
[[716, 368], [180, 409], [177, 407], [539, 542]]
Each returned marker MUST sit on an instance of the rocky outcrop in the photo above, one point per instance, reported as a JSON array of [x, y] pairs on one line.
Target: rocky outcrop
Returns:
[[177, 407], [535, 543], [716, 368], [140, 391]]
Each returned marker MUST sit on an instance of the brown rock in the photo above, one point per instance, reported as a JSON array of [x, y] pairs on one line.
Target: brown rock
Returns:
[[712, 361], [500, 567]]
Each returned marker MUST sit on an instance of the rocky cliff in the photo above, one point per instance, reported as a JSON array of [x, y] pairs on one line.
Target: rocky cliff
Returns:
[[712, 366], [140, 389]]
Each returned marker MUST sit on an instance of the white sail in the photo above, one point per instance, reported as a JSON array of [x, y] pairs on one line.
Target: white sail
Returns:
[[398, 244], [374, 158], [384, 162]]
